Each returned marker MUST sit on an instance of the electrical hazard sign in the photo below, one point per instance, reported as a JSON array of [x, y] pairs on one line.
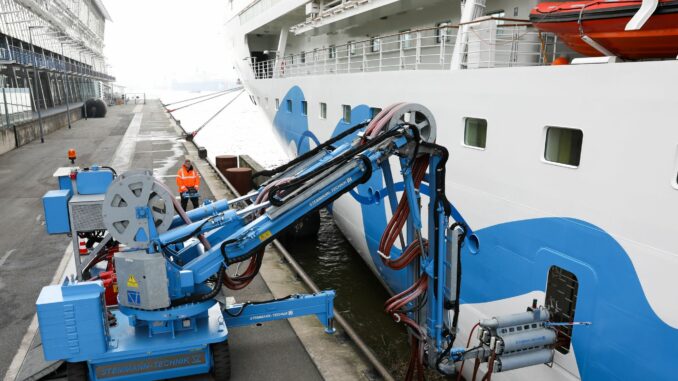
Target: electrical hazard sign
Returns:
[[132, 282]]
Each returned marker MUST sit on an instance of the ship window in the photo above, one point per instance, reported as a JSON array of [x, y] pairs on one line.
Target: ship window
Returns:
[[323, 110], [563, 145], [376, 44], [289, 105], [406, 39], [332, 51], [562, 287], [475, 132], [374, 111], [302, 57], [304, 107], [277, 104], [346, 112], [443, 31], [351, 47]]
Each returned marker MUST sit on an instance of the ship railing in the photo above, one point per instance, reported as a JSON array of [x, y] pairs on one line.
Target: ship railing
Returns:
[[491, 42], [506, 42]]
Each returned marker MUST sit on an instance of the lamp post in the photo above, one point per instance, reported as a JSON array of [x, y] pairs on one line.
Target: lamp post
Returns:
[[36, 79], [64, 77]]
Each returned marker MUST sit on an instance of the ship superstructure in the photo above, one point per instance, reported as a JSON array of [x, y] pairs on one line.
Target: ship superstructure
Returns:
[[51, 53], [567, 174]]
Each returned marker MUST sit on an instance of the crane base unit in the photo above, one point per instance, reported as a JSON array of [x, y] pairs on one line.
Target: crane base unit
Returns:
[[74, 322]]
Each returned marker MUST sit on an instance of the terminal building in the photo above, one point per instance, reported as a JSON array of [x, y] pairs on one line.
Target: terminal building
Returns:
[[51, 54]]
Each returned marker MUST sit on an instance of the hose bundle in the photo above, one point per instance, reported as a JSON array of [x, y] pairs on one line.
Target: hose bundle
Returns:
[[397, 222], [395, 307]]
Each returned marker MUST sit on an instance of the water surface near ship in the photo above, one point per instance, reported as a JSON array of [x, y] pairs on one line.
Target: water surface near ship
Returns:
[[328, 258]]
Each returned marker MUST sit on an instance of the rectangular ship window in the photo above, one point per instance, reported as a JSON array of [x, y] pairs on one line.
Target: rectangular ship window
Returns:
[[563, 145], [443, 31], [561, 299], [374, 111], [323, 110], [302, 57], [475, 132], [346, 113], [376, 44], [277, 104], [406, 39], [332, 51], [304, 107], [289, 105]]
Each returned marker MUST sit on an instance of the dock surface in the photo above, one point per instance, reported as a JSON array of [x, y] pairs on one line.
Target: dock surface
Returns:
[[139, 137]]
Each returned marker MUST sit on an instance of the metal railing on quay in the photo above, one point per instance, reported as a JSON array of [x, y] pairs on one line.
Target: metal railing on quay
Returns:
[[491, 42]]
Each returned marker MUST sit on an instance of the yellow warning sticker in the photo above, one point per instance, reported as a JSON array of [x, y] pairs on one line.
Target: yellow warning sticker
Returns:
[[132, 282], [265, 235]]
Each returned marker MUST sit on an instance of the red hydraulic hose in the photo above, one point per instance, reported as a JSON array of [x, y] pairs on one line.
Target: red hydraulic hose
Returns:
[[398, 220]]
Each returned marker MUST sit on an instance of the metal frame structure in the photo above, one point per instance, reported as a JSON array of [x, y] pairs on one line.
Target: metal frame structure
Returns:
[[54, 51]]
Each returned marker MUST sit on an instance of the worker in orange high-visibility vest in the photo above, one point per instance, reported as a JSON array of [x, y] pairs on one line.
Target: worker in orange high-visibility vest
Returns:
[[188, 181]]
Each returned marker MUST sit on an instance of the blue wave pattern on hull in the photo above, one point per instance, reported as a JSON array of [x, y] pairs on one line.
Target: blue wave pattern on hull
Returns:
[[627, 340]]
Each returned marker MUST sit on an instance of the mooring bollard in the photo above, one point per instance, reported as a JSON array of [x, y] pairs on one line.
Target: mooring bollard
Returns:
[[202, 152], [240, 178], [225, 162]]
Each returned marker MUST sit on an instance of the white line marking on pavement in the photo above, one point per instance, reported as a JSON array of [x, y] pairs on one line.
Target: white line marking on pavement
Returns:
[[123, 155], [4, 257]]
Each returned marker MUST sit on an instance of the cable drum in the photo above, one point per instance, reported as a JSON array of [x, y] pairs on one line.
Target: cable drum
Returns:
[[125, 202], [418, 115]]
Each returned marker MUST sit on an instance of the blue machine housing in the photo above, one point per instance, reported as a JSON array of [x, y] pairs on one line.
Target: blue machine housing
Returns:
[[95, 180], [55, 205], [72, 323]]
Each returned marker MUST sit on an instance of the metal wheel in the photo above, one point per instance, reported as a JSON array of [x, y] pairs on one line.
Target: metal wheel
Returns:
[[128, 192], [418, 115]]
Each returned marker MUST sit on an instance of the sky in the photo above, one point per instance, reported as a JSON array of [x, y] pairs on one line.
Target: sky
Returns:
[[154, 45]]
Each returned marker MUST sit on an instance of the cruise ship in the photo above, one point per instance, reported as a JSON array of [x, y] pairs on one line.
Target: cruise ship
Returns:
[[560, 123]]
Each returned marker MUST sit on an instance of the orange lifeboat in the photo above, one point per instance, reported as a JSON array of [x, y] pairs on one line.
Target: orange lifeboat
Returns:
[[604, 22]]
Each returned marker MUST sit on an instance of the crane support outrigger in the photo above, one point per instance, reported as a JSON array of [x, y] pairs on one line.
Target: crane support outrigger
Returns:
[[170, 269]]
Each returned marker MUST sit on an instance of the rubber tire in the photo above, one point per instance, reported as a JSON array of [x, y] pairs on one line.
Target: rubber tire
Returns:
[[77, 371], [221, 361]]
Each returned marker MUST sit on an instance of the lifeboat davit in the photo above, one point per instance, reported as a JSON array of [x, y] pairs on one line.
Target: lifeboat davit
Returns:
[[604, 22]]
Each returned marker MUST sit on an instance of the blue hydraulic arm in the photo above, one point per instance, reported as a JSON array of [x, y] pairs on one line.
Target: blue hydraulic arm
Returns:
[[320, 305]]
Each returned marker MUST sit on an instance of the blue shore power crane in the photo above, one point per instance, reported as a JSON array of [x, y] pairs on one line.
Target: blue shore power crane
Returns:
[[170, 322]]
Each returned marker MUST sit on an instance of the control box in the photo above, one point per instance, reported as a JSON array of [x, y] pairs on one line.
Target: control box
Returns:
[[142, 280], [55, 205], [72, 320]]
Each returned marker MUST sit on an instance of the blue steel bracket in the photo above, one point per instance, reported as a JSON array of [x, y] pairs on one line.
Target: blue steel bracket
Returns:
[[321, 305]]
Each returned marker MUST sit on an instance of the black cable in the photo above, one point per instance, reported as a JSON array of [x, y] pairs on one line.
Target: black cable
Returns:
[[298, 159], [248, 303], [115, 173], [339, 160], [189, 235], [202, 297]]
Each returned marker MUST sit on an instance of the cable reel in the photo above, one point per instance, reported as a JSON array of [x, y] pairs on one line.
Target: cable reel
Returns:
[[129, 194], [418, 115]]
